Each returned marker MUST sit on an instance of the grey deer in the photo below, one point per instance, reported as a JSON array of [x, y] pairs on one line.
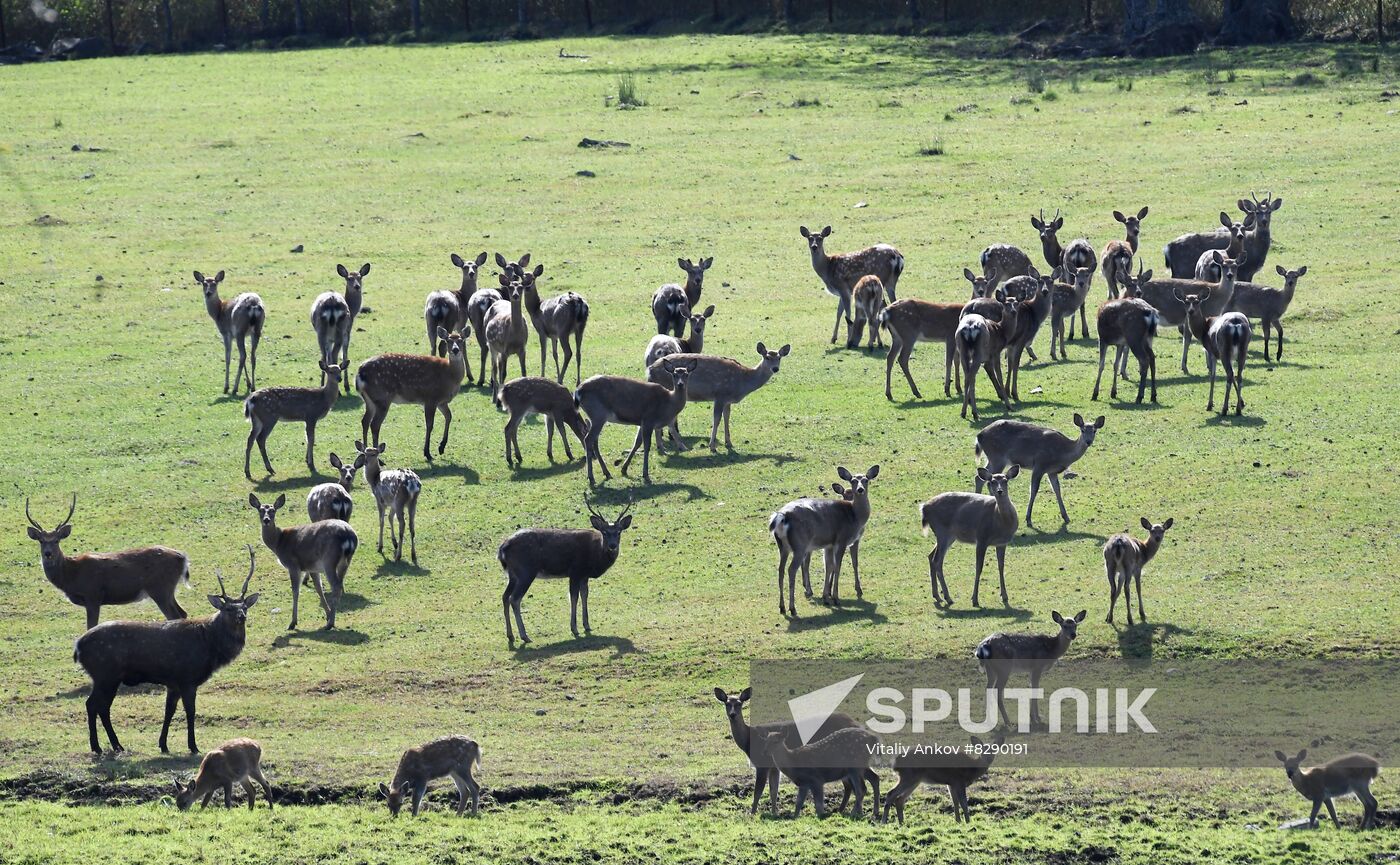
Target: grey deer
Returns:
[[1078, 254], [985, 521], [840, 273], [1117, 255], [718, 380], [1183, 253], [1124, 557], [265, 407], [1268, 304], [805, 526], [956, 772], [332, 501], [324, 547], [523, 397], [240, 319], [1001, 655], [671, 303], [1045, 451], [649, 407]]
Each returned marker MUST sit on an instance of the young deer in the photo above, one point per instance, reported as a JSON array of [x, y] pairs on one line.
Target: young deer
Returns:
[[579, 555], [530, 395], [1034, 308], [1042, 450], [1000, 655], [478, 306], [429, 381], [1123, 559], [1129, 323], [555, 320], [671, 304], [868, 298], [1207, 268], [330, 319], [843, 756], [1001, 261], [956, 772], [180, 655], [354, 297], [93, 580], [332, 501], [396, 490], [1117, 255], [1226, 339], [325, 547], [456, 757], [1078, 254], [649, 407], [1164, 293], [717, 380], [1064, 300], [448, 309], [1182, 254], [236, 319], [506, 333], [1268, 304], [1340, 776], [804, 526], [980, 343], [265, 407], [840, 273], [664, 344], [912, 321], [986, 521], [237, 761]]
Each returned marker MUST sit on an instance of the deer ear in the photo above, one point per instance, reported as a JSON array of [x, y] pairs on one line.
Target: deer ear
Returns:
[[1278, 202], [1302, 755], [1168, 523], [505, 281], [1280, 756], [1225, 219], [1058, 224], [219, 277], [1079, 616], [335, 460], [383, 446], [873, 472], [457, 260], [198, 277], [843, 473], [1078, 419], [364, 269], [597, 522], [745, 694], [1013, 472], [802, 230], [624, 523], [721, 696], [360, 461], [826, 232], [359, 446], [249, 601], [538, 271], [62, 532], [442, 332], [967, 274], [1280, 270], [1142, 214], [1245, 205], [340, 269], [1302, 271], [253, 501], [281, 500], [1037, 224], [709, 310], [1058, 619], [383, 790], [783, 352], [481, 259], [983, 475], [1099, 421], [762, 350], [705, 263], [1144, 278], [34, 534], [501, 260], [683, 263], [216, 601], [1146, 524], [1216, 257]]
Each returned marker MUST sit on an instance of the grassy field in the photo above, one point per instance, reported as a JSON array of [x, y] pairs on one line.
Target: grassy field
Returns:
[[122, 176]]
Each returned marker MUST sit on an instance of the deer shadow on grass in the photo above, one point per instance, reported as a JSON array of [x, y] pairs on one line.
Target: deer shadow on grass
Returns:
[[640, 491], [402, 568], [573, 645], [548, 470], [997, 612], [1130, 404], [124, 766], [283, 483], [470, 477], [348, 402], [1062, 532], [703, 459], [1139, 639], [849, 611], [339, 636], [1244, 420]]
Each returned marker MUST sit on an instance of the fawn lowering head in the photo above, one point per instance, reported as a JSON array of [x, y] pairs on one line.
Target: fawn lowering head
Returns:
[[49, 540]]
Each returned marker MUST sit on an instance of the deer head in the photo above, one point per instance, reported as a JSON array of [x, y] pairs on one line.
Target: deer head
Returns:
[[346, 471], [773, 359], [611, 531], [1131, 224], [49, 540], [210, 285], [1069, 626], [815, 240]]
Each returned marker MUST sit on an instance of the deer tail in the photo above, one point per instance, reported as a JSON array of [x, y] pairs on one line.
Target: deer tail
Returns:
[[778, 526], [248, 408], [984, 651]]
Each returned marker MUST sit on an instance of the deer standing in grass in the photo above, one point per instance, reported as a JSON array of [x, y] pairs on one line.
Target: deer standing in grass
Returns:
[[986, 521], [956, 772], [181, 655], [649, 407], [239, 319], [237, 761], [840, 273], [448, 309], [1001, 655], [1268, 304], [506, 333], [332, 501], [1078, 254], [910, 322], [664, 344], [980, 343], [1183, 253], [397, 491], [354, 298], [1123, 559], [1351, 774], [93, 580], [671, 303], [1117, 255], [578, 555], [1207, 267], [522, 397], [1064, 300], [324, 547], [717, 380], [1226, 339], [556, 320], [804, 526], [1001, 261], [1031, 314], [1128, 323], [456, 757], [265, 407], [429, 381], [868, 298], [1165, 293], [478, 306], [843, 756], [1045, 451]]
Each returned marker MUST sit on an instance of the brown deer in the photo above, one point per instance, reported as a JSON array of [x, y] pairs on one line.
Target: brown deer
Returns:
[[1128, 323], [397, 491], [986, 521], [332, 501], [325, 547], [957, 772], [671, 303], [868, 298], [579, 555], [1066, 297], [506, 333], [239, 319], [717, 380], [1207, 268], [181, 655], [840, 273], [980, 343], [430, 381], [1117, 255], [237, 761], [1045, 451], [1226, 339], [843, 756], [448, 309], [556, 320], [1350, 774], [265, 407], [1001, 655], [911, 321], [802, 527], [522, 397], [1268, 304], [649, 407], [1164, 293], [94, 580], [456, 757], [330, 319], [478, 305], [1031, 313], [1123, 559], [354, 297], [664, 344], [1001, 261], [1078, 254], [1183, 253]]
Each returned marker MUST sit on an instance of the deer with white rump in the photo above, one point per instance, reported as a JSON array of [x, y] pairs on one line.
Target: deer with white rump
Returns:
[[804, 526], [1351, 774], [980, 342], [1045, 451], [1078, 254], [324, 547], [664, 344], [1226, 339], [1123, 559], [522, 397], [237, 761], [332, 501], [986, 521], [1183, 254], [1165, 294], [1128, 323], [840, 273], [717, 380], [1001, 655], [395, 490], [239, 319], [672, 303]]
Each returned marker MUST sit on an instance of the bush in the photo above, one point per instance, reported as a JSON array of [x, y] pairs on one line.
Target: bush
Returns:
[[627, 91], [1035, 80], [935, 148]]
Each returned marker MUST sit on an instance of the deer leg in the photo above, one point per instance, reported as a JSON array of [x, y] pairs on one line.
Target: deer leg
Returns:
[[554, 349], [782, 562], [296, 596], [446, 427], [1083, 323], [1210, 402], [1332, 812], [642, 433], [311, 446], [587, 628], [895, 347], [515, 608], [1036, 475], [248, 450], [1185, 346], [806, 571], [505, 607], [1001, 574], [247, 785], [1035, 704], [262, 445], [188, 699], [568, 357], [1055, 485], [1109, 572], [792, 585], [511, 425], [728, 443], [398, 542], [419, 790], [573, 606], [1137, 579], [760, 776], [840, 306], [263, 782], [1278, 355], [855, 567], [242, 363], [719, 408], [1239, 379], [1103, 352], [1126, 585], [172, 697], [253, 360], [228, 355], [977, 579], [833, 574], [380, 505]]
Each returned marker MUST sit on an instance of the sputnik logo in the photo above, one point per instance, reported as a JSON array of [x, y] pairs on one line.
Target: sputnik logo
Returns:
[[811, 710]]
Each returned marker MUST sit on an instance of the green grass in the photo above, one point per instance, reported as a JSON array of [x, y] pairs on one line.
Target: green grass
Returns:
[[1285, 532]]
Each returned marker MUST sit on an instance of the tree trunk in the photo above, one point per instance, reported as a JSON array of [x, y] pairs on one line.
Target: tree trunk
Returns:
[[1250, 22], [349, 18], [588, 14], [521, 14], [111, 29], [223, 21], [1156, 28], [415, 10]]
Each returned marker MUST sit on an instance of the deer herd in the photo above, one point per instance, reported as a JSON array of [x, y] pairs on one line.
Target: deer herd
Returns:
[[1210, 296]]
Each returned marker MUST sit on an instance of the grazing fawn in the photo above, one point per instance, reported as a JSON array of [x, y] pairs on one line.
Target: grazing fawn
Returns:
[[1078, 254], [912, 321], [1207, 268], [530, 395], [324, 547], [649, 407], [237, 761], [1064, 300], [265, 407], [579, 555], [1123, 560], [1128, 323], [1043, 450], [843, 756], [1350, 774], [332, 501], [1001, 655], [1226, 339], [448, 309], [397, 491], [1117, 255], [430, 381], [506, 333], [671, 304], [181, 655], [1183, 253], [1268, 304], [868, 297], [802, 527], [840, 273], [556, 320], [94, 580], [456, 757], [956, 772], [664, 344], [237, 319], [980, 343], [1001, 261], [717, 380], [986, 521]]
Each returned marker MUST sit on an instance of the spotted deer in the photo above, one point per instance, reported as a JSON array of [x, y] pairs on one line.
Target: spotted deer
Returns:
[[324, 547], [1129, 324], [1183, 253], [986, 521], [664, 344], [1123, 559], [395, 490], [1207, 268], [428, 381], [802, 527], [448, 309], [1001, 261], [1351, 774], [980, 343], [1268, 304], [910, 322], [332, 501], [522, 397], [1066, 297], [506, 333], [671, 303], [1117, 255], [237, 761], [1045, 451], [868, 298], [455, 757], [1001, 655], [1031, 313], [238, 319], [649, 407], [1226, 339], [266, 406], [1165, 293], [840, 273], [1078, 254], [717, 380]]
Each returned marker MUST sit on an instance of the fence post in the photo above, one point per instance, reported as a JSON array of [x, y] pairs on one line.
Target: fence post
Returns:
[[111, 29]]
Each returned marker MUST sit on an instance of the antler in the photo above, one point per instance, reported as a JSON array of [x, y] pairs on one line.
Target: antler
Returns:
[[219, 575], [588, 504], [32, 521], [624, 510], [243, 592], [1057, 213], [71, 507]]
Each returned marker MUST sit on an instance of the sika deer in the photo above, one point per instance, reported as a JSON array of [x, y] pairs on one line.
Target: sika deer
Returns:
[[1207, 268], [448, 309], [237, 761], [804, 526], [1000, 655], [912, 321], [325, 547], [397, 490], [1078, 254], [236, 319], [92, 580], [1031, 314], [505, 332], [1042, 450], [330, 319], [555, 320], [579, 555], [456, 757], [526, 396], [1340, 776], [868, 299], [332, 501], [717, 380], [1064, 300], [354, 296], [649, 407], [180, 655], [986, 521], [980, 343], [664, 344], [1129, 323], [478, 305], [431, 382], [956, 771], [1183, 253], [1001, 261], [1117, 255], [840, 273], [1164, 293], [1226, 338], [265, 407], [841, 756], [671, 304], [1268, 304], [1123, 559]]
